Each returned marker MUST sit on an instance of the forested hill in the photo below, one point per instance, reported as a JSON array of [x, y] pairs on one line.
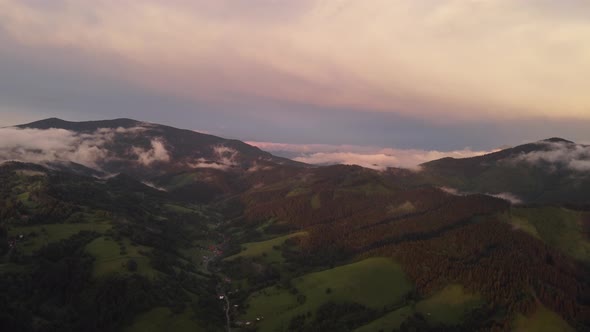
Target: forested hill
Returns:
[[126, 144], [548, 171]]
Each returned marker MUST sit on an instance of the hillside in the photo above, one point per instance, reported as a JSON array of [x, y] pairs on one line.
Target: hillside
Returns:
[[127, 145], [548, 171], [126, 225]]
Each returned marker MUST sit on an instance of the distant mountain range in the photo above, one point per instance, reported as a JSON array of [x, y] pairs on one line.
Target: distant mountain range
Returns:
[[122, 224], [166, 147], [552, 170]]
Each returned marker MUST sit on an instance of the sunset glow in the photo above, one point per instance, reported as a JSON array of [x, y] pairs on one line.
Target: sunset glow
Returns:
[[439, 62]]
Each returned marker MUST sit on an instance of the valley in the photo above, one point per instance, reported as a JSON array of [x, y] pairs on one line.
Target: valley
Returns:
[[211, 234]]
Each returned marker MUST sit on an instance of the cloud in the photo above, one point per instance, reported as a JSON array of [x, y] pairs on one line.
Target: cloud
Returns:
[[60, 145], [451, 191], [257, 167], [203, 163], [513, 199], [158, 152], [437, 60], [150, 184], [225, 155], [575, 157], [224, 158], [510, 197], [580, 165], [37, 146], [366, 156], [376, 161]]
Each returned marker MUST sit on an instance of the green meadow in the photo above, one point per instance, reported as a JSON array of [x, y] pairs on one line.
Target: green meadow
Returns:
[[542, 320], [373, 282], [37, 236], [266, 249], [111, 259], [558, 227], [447, 306]]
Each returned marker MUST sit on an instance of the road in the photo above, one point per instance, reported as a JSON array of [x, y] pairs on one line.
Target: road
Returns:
[[227, 308], [220, 289]]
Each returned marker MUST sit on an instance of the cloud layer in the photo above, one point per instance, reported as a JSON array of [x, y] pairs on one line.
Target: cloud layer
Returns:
[[437, 60], [60, 145], [223, 158], [574, 157], [510, 197], [366, 156], [34, 145], [157, 152]]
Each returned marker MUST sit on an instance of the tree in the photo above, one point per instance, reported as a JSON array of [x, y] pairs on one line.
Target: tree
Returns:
[[131, 265]]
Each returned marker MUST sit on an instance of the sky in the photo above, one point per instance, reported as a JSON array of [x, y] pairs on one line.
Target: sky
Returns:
[[337, 76]]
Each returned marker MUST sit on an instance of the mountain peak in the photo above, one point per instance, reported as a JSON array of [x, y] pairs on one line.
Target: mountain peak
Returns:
[[557, 140], [81, 126], [45, 122]]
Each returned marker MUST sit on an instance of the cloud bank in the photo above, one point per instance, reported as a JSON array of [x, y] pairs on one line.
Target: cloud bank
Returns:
[[571, 156], [158, 152], [223, 158], [366, 156], [510, 197], [436, 60], [60, 145]]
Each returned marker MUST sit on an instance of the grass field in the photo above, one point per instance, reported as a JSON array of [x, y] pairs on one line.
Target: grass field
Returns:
[[543, 320], [109, 259], [48, 233], [163, 320], [265, 249], [558, 227], [392, 320], [447, 306], [374, 282]]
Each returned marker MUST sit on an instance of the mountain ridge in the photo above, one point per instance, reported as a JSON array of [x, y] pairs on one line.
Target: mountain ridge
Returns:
[[184, 145], [179, 221], [128, 123]]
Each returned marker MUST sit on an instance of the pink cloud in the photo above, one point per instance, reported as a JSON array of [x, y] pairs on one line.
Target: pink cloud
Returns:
[[441, 62], [366, 156]]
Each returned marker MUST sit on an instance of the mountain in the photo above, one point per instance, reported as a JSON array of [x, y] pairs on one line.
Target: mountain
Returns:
[[189, 164], [548, 171], [130, 145], [122, 225]]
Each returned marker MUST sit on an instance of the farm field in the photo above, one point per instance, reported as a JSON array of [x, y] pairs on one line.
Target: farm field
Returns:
[[446, 306], [558, 227], [37, 236], [265, 249], [110, 258], [543, 320], [373, 282]]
